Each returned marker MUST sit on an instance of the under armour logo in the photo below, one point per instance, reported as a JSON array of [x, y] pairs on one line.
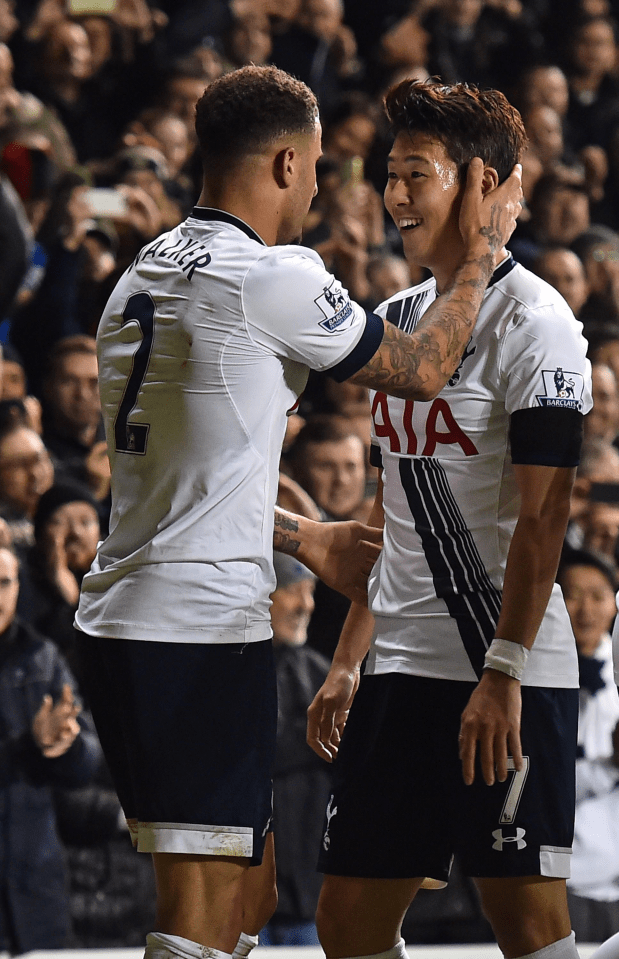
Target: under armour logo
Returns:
[[326, 839], [500, 839]]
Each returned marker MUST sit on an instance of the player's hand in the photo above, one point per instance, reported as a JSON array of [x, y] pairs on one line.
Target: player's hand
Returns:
[[327, 715], [344, 555], [55, 726], [488, 220], [491, 721]]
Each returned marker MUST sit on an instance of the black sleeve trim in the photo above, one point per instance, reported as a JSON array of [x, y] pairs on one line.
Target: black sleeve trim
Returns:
[[371, 338], [376, 457], [546, 436]]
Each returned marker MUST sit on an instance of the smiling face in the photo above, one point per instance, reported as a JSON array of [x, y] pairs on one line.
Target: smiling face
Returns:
[[423, 195]]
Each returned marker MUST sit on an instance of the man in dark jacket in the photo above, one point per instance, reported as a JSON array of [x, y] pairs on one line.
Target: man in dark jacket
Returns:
[[43, 743]]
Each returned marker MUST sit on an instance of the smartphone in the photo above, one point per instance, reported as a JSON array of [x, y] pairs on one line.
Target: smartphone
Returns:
[[105, 201], [81, 8], [604, 493]]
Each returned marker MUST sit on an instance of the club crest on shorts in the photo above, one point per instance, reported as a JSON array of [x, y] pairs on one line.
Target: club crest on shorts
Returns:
[[562, 389], [335, 305], [500, 840], [331, 812]]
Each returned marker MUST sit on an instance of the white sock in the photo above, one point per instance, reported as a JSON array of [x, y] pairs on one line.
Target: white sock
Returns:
[[159, 945], [562, 949], [608, 949], [398, 952], [244, 946]]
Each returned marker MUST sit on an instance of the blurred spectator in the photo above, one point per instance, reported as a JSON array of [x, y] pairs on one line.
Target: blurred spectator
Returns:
[[248, 39], [560, 267], [25, 119], [598, 249], [602, 421], [328, 460], [404, 49], [589, 583], [559, 212], [66, 533], [319, 49], [53, 309], [16, 242], [14, 386], [44, 743], [593, 111], [601, 524], [543, 85], [387, 274], [603, 339], [8, 21], [481, 43], [301, 781], [599, 464], [185, 84], [26, 472], [72, 424]]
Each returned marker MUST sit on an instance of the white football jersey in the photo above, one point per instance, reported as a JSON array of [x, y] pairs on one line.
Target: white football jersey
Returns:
[[204, 346], [450, 496]]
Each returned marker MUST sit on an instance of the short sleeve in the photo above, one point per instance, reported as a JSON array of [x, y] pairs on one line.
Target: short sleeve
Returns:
[[296, 309], [543, 362]]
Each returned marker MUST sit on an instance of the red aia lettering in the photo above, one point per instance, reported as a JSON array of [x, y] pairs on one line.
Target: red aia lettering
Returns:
[[454, 434], [386, 428]]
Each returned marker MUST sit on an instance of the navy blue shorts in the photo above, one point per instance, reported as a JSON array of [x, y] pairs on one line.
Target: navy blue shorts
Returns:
[[188, 731], [400, 808]]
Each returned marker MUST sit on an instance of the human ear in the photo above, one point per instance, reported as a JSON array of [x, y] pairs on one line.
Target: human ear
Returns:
[[489, 180], [284, 165]]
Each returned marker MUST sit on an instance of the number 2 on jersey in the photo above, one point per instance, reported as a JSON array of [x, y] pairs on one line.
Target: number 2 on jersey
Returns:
[[133, 437]]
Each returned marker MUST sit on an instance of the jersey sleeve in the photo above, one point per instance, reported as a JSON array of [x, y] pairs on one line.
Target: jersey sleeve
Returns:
[[544, 365], [296, 309], [548, 387]]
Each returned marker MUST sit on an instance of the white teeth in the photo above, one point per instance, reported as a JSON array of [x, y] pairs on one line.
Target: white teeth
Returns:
[[409, 221]]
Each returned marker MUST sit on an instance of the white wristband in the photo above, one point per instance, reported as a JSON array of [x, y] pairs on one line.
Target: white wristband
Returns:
[[507, 657]]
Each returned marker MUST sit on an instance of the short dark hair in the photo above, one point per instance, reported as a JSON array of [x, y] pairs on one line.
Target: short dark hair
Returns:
[[245, 110], [68, 346], [598, 333], [585, 557], [468, 121], [319, 428]]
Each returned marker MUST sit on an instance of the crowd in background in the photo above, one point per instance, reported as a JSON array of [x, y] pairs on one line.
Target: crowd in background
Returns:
[[97, 157]]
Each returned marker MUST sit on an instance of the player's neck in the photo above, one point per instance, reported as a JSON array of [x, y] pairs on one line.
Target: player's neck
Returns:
[[251, 206], [444, 273]]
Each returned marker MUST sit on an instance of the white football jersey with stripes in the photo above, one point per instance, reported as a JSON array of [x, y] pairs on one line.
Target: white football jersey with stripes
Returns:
[[450, 497], [204, 346]]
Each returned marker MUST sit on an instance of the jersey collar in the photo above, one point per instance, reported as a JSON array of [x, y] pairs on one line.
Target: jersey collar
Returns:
[[208, 213], [502, 270]]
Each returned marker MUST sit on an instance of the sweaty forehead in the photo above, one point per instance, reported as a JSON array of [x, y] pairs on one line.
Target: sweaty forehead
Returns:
[[418, 147]]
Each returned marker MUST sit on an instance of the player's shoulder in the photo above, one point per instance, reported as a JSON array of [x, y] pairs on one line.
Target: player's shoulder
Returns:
[[283, 259], [395, 306], [529, 294]]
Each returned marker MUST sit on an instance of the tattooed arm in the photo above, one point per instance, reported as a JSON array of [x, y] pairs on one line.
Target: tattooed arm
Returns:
[[417, 365], [341, 554]]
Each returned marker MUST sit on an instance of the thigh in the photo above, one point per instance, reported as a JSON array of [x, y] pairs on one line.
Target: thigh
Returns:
[[524, 826], [198, 724]]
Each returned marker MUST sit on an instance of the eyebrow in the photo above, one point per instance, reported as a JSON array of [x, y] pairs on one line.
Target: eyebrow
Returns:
[[411, 158]]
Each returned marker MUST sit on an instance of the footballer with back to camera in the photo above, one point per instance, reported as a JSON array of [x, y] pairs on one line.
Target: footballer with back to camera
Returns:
[[461, 735], [204, 345]]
